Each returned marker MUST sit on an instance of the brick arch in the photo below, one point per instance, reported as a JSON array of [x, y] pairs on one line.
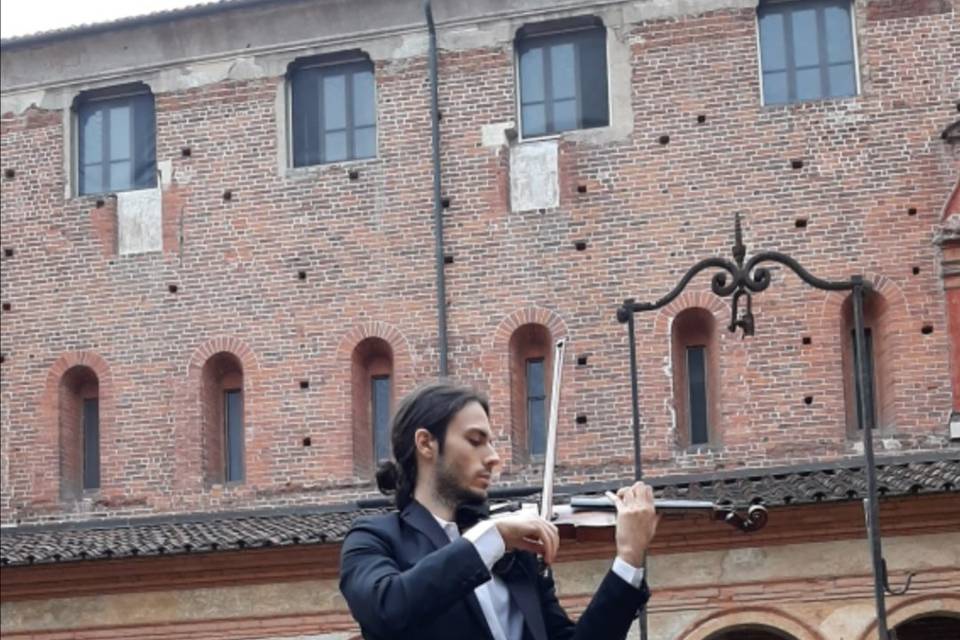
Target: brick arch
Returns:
[[402, 383], [705, 627], [832, 304], [47, 471], [527, 315], [496, 366], [927, 604], [188, 407], [719, 307], [830, 325]]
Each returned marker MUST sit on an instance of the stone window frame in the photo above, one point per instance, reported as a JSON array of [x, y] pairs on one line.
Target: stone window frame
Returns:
[[549, 29], [222, 373], [529, 341], [858, 82], [695, 326], [877, 318], [78, 385], [347, 58], [372, 357], [74, 152]]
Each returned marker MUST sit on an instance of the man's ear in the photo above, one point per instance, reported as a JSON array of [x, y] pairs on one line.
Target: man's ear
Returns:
[[425, 444]]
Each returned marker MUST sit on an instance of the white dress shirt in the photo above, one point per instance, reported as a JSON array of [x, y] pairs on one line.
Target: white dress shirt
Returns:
[[502, 615]]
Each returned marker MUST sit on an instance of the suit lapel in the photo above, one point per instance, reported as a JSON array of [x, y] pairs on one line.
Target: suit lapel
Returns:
[[525, 595], [418, 517]]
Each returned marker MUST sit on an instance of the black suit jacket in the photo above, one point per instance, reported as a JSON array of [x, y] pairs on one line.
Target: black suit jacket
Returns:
[[404, 579]]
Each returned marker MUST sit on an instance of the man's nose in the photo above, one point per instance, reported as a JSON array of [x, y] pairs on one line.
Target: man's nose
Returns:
[[492, 460]]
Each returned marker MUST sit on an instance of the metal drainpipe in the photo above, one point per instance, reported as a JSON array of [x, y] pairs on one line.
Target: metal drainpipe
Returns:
[[437, 196]]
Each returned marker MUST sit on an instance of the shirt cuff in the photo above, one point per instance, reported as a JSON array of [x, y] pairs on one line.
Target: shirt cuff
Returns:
[[630, 574], [488, 542]]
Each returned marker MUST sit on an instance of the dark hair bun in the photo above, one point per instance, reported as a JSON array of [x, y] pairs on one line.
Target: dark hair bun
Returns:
[[388, 477]]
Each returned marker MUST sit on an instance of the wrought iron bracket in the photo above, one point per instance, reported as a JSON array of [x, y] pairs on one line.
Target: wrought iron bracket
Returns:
[[739, 279]]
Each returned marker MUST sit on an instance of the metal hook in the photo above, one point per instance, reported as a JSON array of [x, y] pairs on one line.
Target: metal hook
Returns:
[[886, 582]]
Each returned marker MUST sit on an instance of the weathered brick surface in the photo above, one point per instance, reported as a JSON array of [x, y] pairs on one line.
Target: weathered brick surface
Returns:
[[649, 211]]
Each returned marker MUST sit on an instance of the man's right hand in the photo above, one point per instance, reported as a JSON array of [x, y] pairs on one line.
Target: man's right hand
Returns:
[[529, 532]]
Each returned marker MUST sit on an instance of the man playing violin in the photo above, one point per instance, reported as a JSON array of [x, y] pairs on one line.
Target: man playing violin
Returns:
[[416, 574]]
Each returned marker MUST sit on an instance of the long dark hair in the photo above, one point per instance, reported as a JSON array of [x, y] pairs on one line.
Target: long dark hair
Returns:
[[430, 407]]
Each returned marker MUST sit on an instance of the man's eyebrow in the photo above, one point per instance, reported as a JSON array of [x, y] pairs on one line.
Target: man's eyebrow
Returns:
[[479, 431]]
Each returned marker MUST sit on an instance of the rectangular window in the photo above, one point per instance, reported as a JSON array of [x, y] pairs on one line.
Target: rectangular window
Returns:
[[333, 113], [536, 407], [871, 390], [563, 80], [806, 50], [91, 443], [380, 411], [116, 143], [697, 394], [233, 427]]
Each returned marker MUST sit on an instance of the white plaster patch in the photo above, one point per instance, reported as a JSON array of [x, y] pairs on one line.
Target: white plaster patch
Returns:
[[165, 169], [139, 221], [660, 9], [416, 44], [495, 135], [847, 622], [534, 180], [890, 444]]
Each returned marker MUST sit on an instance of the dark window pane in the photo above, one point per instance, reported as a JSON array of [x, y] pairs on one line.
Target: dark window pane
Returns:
[[534, 119], [364, 142], [380, 394], [808, 84], [91, 443], [871, 394], [120, 132], [335, 146], [811, 43], [535, 381], [842, 80], [594, 108], [563, 81], [334, 102], [563, 73], [233, 417], [306, 118], [806, 45], [772, 45], [333, 113], [697, 382], [144, 142], [564, 115], [531, 76], [775, 87], [839, 36], [536, 407], [117, 144], [363, 99]]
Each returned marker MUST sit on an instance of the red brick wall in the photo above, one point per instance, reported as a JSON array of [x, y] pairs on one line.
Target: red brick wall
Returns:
[[366, 245]]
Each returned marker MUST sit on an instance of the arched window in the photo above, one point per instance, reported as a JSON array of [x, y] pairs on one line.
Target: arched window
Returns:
[[79, 418], [695, 376], [878, 383], [372, 390], [531, 372], [925, 627], [751, 632], [223, 428]]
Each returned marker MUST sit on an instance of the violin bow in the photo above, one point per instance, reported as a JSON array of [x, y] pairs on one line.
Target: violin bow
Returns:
[[546, 496]]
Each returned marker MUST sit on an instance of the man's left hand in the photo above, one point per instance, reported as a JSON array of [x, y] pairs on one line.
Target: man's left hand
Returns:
[[636, 522]]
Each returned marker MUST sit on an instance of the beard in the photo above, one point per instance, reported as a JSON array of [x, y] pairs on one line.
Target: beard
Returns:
[[451, 491]]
